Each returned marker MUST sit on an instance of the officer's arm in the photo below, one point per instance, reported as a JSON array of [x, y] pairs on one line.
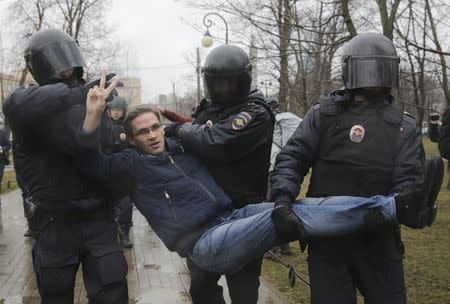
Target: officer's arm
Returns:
[[296, 158], [410, 158], [229, 139], [32, 106], [444, 136]]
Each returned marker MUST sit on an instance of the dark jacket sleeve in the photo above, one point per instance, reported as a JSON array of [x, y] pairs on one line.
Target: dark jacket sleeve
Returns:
[[222, 142], [116, 169], [296, 158], [410, 158], [444, 136], [35, 104]]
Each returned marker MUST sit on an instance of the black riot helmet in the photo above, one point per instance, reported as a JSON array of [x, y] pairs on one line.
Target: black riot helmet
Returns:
[[50, 52], [118, 102], [227, 65], [370, 60]]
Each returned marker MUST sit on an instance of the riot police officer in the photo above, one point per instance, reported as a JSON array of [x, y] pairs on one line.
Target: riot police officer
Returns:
[[71, 214], [114, 140], [232, 134], [357, 142]]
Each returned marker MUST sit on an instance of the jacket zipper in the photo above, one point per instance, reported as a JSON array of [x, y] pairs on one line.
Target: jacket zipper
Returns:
[[198, 182], [172, 208]]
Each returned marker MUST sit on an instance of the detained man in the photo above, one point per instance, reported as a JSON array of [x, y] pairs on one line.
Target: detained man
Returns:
[[194, 217]]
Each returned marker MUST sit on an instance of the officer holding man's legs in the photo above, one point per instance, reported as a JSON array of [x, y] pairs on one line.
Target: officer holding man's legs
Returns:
[[72, 215], [357, 143], [114, 140], [232, 134]]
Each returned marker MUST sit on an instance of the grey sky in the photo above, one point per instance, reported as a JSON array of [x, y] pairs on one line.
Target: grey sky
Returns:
[[157, 40]]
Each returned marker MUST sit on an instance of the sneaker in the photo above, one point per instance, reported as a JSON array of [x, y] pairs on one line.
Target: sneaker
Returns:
[[430, 212]]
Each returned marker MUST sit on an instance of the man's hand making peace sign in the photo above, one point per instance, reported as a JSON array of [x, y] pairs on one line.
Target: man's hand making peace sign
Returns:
[[96, 102]]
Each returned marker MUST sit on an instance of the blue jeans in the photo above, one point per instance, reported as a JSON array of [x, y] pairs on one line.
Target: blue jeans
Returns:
[[249, 232]]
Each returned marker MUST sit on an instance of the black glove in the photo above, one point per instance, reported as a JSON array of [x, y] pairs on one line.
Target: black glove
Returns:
[[288, 226], [172, 129], [109, 77]]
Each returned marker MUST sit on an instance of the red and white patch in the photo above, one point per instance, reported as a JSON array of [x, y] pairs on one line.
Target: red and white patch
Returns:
[[357, 133]]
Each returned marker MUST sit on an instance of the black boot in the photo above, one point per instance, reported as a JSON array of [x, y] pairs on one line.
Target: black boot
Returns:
[[287, 224], [124, 238]]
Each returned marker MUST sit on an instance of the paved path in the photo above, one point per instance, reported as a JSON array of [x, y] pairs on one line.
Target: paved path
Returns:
[[155, 276]]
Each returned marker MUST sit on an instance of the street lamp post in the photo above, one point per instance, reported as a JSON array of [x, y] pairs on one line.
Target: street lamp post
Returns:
[[207, 39]]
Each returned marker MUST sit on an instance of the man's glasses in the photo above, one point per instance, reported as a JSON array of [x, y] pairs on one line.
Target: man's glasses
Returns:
[[154, 128]]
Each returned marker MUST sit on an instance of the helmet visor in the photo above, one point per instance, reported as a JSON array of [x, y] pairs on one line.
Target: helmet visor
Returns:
[[225, 89], [54, 59], [361, 72]]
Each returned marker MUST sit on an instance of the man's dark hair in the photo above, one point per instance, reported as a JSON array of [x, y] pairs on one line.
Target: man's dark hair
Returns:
[[135, 111]]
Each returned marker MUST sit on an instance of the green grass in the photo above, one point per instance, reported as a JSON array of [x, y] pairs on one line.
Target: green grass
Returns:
[[427, 258], [9, 179]]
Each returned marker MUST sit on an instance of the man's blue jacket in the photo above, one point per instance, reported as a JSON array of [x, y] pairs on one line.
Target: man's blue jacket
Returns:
[[174, 191]]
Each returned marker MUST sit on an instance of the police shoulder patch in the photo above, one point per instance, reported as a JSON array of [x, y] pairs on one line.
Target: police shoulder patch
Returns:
[[241, 120]]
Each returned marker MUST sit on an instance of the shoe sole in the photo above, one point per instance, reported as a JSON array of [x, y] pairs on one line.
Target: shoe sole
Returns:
[[430, 215]]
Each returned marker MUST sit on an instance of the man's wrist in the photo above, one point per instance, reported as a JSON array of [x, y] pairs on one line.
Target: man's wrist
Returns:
[[91, 122]]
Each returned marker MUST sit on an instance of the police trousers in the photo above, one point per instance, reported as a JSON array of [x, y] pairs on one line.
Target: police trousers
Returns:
[[65, 243], [242, 286], [369, 263], [123, 212]]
